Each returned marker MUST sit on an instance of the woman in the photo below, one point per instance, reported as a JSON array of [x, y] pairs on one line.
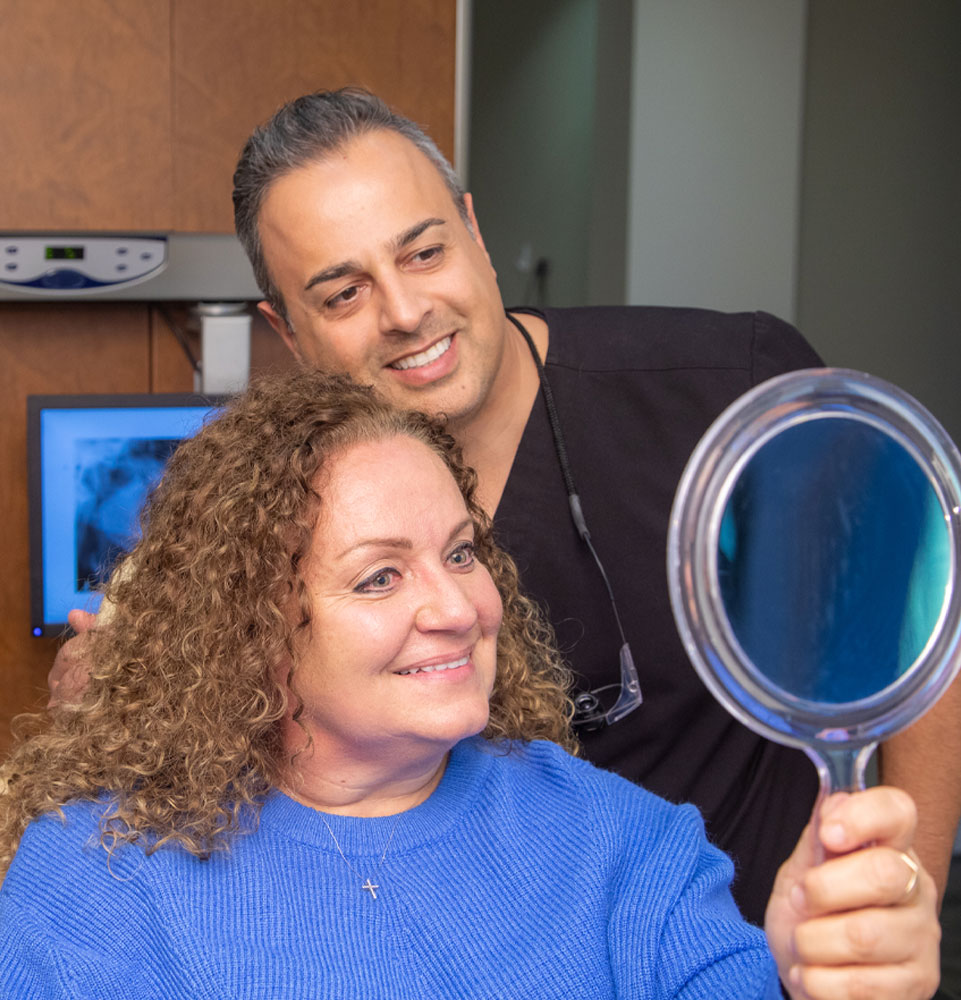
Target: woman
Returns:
[[274, 784]]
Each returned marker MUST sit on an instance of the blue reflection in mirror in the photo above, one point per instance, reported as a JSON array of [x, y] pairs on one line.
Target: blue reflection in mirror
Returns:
[[834, 560]]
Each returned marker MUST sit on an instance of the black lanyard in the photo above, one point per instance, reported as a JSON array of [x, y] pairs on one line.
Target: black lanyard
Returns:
[[589, 712]]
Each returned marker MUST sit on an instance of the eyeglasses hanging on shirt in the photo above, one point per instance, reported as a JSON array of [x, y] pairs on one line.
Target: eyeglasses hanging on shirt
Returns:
[[589, 713]]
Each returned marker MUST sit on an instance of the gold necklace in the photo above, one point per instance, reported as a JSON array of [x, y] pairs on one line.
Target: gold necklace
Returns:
[[368, 885]]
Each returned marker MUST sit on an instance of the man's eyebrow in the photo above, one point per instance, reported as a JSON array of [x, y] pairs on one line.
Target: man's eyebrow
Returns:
[[408, 236], [337, 271], [332, 273]]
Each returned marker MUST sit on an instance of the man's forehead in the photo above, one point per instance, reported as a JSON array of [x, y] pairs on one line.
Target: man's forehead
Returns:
[[380, 155], [329, 214]]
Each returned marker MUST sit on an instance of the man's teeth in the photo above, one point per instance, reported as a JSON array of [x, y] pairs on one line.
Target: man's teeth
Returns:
[[453, 665], [424, 358]]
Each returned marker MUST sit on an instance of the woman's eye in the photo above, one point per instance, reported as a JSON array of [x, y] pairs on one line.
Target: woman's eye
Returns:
[[383, 579], [463, 555]]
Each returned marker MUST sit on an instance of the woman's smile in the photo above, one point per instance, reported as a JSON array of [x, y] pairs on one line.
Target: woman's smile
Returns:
[[427, 668]]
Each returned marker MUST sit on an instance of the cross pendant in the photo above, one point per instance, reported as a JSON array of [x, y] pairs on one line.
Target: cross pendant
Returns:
[[368, 886]]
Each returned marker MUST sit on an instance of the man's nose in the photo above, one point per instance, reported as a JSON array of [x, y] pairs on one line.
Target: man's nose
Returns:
[[403, 305]]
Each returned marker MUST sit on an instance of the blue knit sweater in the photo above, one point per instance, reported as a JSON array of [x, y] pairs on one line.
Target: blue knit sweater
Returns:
[[526, 874]]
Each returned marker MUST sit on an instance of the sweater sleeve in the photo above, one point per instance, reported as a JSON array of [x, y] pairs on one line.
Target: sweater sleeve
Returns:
[[113, 962], [28, 959], [72, 926], [673, 911]]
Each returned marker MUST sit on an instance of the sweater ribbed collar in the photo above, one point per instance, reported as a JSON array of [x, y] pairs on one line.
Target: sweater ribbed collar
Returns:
[[467, 771]]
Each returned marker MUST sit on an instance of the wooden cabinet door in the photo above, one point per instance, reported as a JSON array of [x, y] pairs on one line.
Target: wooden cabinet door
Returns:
[[85, 115], [67, 348], [237, 61], [130, 116]]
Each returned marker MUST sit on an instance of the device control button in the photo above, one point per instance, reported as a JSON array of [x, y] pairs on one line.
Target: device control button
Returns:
[[12, 249], [121, 267], [11, 266], [64, 278], [121, 251]]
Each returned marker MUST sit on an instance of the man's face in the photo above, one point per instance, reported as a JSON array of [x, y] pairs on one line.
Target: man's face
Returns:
[[382, 278]]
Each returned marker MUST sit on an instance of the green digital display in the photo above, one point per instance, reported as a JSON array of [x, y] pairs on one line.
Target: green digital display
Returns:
[[63, 253]]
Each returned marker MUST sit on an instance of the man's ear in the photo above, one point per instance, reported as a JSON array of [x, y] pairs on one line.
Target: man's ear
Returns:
[[469, 205], [280, 326]]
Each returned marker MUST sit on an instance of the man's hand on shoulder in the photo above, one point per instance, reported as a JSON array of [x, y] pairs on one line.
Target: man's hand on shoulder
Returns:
[[68, 676]]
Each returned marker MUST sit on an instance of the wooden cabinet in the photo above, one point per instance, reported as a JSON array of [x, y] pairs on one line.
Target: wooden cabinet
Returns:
[[130, 116], [85, 115], [236, 61]]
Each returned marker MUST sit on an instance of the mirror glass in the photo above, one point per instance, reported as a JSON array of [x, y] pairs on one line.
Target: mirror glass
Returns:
[[812, 560], [833, 551]]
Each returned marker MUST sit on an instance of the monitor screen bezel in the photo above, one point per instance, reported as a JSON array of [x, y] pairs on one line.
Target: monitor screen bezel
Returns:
[[42, 625]]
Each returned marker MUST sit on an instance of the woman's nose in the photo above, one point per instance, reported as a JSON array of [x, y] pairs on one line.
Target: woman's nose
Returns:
[[446, 606]]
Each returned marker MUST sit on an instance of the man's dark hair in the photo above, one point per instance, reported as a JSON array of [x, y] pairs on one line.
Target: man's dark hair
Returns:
[[307, 129]]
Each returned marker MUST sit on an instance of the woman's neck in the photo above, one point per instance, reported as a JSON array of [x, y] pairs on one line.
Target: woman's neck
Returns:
[[354, 788]]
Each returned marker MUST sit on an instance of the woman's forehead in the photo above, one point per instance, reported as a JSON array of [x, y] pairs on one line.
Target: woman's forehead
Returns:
[[394, 487]]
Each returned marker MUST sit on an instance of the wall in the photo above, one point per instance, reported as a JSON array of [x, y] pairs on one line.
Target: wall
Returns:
[[880, 259], [548, 152], [715, 150], [531, 107], [648, 149]]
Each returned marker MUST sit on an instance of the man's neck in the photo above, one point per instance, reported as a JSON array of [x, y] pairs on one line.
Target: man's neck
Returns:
[[490, 438]]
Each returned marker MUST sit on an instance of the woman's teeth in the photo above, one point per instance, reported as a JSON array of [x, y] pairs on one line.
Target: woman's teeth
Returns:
[[453, 665], [424, 358]]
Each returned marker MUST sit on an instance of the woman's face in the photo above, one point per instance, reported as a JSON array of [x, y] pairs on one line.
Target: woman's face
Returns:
[[403, 644]]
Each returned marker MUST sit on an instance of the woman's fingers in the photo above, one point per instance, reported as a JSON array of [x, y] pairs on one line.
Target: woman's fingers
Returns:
[[872, 877], [880, 815], [863, 982], [882, 935]]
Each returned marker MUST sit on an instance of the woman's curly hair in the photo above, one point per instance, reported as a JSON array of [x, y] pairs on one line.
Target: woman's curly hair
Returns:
[[179, 729]]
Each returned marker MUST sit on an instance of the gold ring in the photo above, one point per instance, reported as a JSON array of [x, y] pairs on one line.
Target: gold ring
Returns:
[[915, 873]]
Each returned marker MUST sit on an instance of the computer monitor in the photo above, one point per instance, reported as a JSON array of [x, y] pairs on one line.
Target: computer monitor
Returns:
[[92, 460]]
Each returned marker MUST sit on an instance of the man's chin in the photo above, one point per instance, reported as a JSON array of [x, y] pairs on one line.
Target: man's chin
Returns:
[[440, 398]]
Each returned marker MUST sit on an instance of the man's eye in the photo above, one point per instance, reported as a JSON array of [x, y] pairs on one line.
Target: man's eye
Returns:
[[344, 298], [427, 255]]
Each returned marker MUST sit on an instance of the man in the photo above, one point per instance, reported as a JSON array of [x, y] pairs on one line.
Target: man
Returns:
[[372, 262]]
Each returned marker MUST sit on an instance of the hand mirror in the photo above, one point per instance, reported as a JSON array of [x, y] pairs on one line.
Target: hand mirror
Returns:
[[813, 560]]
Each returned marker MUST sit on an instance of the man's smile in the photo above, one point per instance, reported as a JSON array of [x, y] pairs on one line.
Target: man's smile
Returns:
[[424, 357]]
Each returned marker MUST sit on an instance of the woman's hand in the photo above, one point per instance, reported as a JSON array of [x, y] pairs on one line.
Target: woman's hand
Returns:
[[68, 676], [862, 923]]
